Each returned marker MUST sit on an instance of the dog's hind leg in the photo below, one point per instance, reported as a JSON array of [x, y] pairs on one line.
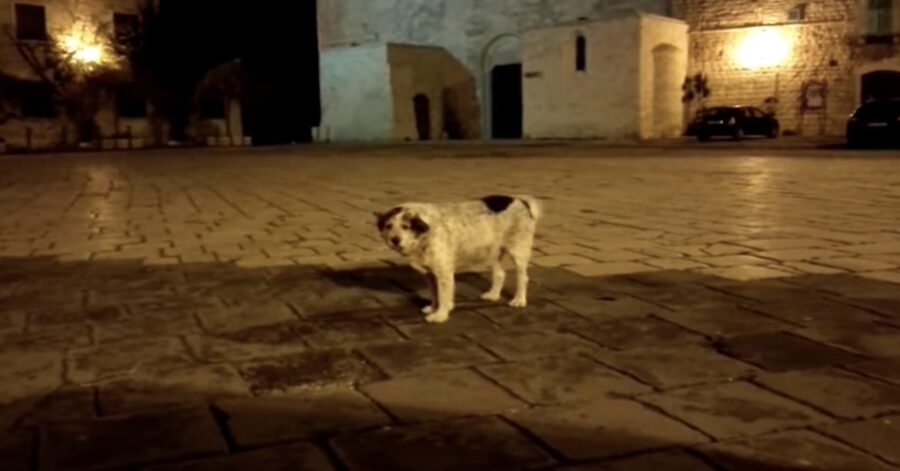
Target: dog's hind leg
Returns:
[[498, 276]]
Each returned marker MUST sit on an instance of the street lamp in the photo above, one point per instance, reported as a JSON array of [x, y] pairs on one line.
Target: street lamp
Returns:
[[763, 48]]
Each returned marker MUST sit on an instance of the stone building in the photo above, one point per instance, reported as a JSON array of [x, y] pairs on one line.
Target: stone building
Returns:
[[615, 77], [810, 62], [85, 28], [374, 67]]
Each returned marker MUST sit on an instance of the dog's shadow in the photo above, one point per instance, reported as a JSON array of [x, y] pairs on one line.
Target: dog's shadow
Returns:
[[405, 282]]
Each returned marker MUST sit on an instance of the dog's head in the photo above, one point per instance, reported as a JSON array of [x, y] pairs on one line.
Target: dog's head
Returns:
[[402, 228]]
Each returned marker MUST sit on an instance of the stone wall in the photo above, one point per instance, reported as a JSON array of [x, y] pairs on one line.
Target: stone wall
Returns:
[[631, 90], [819, 50], [448, 85], [600, 102], [357, 104], [478, 33]]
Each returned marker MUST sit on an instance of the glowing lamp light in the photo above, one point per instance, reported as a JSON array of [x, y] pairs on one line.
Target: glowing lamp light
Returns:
[[763, 48], [82, 51]]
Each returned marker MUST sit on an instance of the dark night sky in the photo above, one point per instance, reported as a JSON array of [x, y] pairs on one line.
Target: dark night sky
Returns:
[[276, 42]]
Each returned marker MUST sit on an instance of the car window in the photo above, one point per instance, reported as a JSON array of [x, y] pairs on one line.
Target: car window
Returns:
[[878, 109]]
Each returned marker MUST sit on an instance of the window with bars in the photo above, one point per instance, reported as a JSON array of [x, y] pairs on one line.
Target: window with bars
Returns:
[[879, 17]]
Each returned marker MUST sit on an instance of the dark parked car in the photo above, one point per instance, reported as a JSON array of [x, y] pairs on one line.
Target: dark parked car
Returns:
[[734, 121], [875, 122]]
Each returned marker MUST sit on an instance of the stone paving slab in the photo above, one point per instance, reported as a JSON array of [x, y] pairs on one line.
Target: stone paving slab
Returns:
[[236, 310], [789, 451], [441, 394], [307, 370], [695, 365], [253, 422], [840, 393], [477, 444], [639, 332], [562, 379], [782, 351], [605, 428], [427, 355], [305, 456], [181, 434], [876, 436], [730, 410], [663, 460]]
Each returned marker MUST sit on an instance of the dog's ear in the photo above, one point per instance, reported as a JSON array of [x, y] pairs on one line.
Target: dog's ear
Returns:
[[382, 218], [418, 225]]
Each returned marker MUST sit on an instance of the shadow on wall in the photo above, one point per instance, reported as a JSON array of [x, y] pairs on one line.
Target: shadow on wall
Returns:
[[434, 94]]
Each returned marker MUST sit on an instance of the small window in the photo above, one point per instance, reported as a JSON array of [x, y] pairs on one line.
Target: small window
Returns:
[[879, 20], [212, 106], [125, 26], [36, 100], [31, 22], [130, 101], [797, 14], [580, 54]]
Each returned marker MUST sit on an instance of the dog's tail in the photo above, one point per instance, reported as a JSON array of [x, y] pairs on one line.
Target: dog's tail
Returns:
[[532, 204]]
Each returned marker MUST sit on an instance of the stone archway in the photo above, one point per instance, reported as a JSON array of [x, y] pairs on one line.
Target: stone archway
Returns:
[[502, 87], [666, 107]]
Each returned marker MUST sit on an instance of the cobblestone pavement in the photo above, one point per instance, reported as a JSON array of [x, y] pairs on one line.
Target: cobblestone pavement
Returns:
[[698, 310]]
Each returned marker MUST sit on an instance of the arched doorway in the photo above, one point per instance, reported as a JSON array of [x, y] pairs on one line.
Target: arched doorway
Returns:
[[666, 104], [502, 89], [880, 85], [422, 107]]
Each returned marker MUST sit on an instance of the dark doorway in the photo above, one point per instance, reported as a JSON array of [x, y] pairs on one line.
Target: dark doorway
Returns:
[[423, 116], [880, 85], [452, 124], [506, 101]]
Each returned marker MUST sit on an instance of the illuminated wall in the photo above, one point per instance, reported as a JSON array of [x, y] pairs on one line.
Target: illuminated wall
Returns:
[[802, 60]]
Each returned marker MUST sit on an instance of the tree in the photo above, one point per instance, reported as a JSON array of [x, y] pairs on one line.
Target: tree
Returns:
[[75, 64], [695, 91]]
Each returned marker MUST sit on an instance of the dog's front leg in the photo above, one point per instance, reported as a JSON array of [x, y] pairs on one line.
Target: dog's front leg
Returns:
[[433, 293], [443, 278]]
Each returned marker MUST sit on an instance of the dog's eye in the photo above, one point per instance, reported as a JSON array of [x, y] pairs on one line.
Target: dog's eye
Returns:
[[389, 226], [405, 227]]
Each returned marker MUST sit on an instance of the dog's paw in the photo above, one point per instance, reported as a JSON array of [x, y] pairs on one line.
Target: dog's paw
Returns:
[[488, 296], [428, 309], [437, 317], [518, 302]]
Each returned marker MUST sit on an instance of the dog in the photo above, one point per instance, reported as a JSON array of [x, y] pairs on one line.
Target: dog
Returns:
[[441, 240]]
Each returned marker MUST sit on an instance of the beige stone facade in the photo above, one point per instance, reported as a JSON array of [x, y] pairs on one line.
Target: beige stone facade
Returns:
[[116, 129], [395, 100], [805, 61], [631, 90], [480, 35], [811, 63]]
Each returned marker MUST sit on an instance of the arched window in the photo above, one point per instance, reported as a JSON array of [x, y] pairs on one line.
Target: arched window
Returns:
[[580, 54]]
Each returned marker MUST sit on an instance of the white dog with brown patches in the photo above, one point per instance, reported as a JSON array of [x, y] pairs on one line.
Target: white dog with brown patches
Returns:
[[443, 239]]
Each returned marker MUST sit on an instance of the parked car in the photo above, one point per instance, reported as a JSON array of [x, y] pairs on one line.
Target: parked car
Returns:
[[735, 122], [875, 122]]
